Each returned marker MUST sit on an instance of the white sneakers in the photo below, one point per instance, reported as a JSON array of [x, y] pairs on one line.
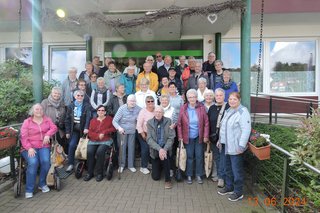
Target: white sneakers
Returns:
[[44, 189], [120, 170], [29, 195], [144, 170], [133, 169]]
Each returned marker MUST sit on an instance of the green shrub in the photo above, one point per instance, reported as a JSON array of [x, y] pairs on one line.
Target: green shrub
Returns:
[[16, 95]]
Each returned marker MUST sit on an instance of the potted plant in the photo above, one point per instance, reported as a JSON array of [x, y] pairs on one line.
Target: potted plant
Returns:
[[8, 137], [259, 145]]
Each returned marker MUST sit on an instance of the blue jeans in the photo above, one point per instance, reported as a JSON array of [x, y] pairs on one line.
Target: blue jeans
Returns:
[[41, 157], [144, 152], [219, 158], [194, 151], [234, 173], [73, 146]]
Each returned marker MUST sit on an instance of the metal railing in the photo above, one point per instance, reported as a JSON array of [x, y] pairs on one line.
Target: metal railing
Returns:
[[281, 185], [282, 110]]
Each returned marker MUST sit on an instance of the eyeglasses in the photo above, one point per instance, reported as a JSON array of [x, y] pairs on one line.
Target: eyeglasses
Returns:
[[101, 110], [83, 85], [94, 76], [79, 95], [158, 56], [149, 101]]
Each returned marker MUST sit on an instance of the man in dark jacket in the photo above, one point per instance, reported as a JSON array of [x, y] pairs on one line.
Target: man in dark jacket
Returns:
[[163, 70], [160, 138], [173, 78], [193, 80]]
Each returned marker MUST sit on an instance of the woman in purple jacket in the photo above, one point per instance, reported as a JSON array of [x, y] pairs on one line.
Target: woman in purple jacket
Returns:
[[35, 139], [193, 129]]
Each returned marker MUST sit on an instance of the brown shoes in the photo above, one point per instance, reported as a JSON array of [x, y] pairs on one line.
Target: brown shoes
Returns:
[[168, 185]]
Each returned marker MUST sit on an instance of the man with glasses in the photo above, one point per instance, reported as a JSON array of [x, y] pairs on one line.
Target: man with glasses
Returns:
[[159, 62], [163, 70]]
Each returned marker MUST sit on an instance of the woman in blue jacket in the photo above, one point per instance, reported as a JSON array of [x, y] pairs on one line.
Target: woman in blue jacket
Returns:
[[227, 85], [234, 134]]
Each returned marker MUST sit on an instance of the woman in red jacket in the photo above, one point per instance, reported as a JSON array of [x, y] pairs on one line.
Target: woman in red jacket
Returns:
[[35, 140], [100, 130], [193, 129]]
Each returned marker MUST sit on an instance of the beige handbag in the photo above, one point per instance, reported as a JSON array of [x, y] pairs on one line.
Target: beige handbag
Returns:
[[181, 159], [81, 152], [208, 160]]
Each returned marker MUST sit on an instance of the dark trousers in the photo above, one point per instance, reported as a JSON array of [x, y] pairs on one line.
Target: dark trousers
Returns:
[[157, 166], [144, 152], [99, 151], [234, 173]]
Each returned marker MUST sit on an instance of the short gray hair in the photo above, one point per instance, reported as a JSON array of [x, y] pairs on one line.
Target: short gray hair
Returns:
[[192, 91], [78, 92], [131, 97], [164, 96], [58, 89], [100, 79], [220, 90], [159, 107], [74, 69], [218, 61], [31, 111], [208, 92], [202, 79]]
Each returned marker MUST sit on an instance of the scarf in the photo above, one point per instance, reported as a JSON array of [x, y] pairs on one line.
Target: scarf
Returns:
[[55, 103], [226, 86], [101, 90], [77, 109]]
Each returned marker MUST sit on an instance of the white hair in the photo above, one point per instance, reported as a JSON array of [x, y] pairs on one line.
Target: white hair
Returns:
[[192, 91]]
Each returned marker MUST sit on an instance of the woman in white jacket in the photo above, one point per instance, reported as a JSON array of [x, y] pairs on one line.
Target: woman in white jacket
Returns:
[[234, 133]]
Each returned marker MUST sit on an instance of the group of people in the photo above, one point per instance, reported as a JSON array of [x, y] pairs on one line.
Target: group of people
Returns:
[[157, 106]]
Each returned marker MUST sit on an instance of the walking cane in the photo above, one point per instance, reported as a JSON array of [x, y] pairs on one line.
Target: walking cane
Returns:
[[178, 173], [120, 155]]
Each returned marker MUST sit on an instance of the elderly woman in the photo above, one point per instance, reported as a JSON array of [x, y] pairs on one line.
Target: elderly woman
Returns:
[[112, 77], [193, 130], [100, 96], [144, 92], [35, 140], [150, 60], [164, 88], [176, 100], [160, 138], [132, 65], [208, 99], [69, 85], [234, 134], [202, 88], [83, 87], [215, 114], [116, 100], [169, 111], [125, 121], [144, 115], [85, 75], [54, 108], [227, 85], [92, 85], [129, 81], [100, 131], [77, 123]]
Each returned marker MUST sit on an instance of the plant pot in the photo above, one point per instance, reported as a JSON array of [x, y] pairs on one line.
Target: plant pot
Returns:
[[262, 153], [7, 142]]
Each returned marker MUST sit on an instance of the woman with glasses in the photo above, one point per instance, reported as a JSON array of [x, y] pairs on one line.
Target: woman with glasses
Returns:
[[144, 92], [193, 130], [100, 131], [144, 115], [227, 84], [77, 123]]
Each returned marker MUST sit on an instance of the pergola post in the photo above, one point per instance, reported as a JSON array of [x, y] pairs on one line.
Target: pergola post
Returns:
[[88, 39], [245, 54], [218, 45], [37, 68]]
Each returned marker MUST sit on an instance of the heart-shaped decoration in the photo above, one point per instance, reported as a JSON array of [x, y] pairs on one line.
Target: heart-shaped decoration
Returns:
[[212, 18]]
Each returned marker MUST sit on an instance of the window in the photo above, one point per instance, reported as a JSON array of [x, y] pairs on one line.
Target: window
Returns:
[[292, 66], [62, 58], [230, 56]]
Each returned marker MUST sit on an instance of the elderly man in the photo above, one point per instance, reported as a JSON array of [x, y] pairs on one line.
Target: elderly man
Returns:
[[85, 75], [193, 79], [69, 85], [151, 76], [163, 70], [208, 66], [160, 138]]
